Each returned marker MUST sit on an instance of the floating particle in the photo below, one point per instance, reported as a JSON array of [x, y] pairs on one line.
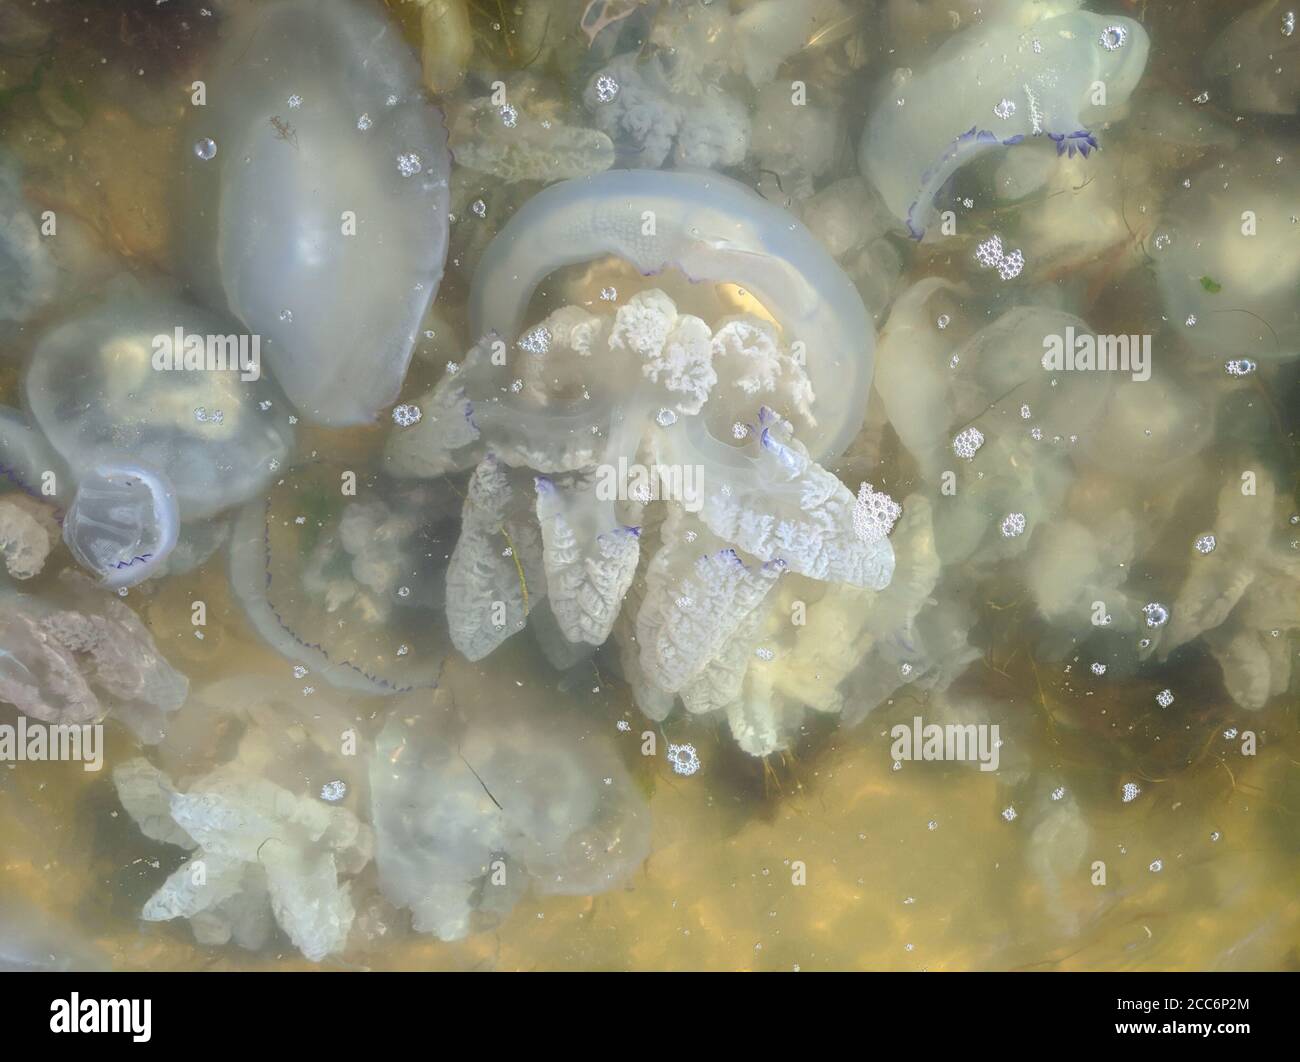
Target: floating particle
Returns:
[[300, 520], [1204, 97], [286, 316], [409, 165], [1058, 793], [684, 759], [1024, 413], [333, 792], [406, 414], [1162, 241], [364, 122], [1156, 866], [402, 650], [932, 825], [264, 405], [1288, 24], [905, 670], [536, 341], [1165, 698], [1157, 615], [1009, 813], [1098, 669], [307, 691], [739, 430], [1004, 108], [624, 726], [1231, 733], [509, 116], [273, 464], [1145, 643], [1191, 320], [1239, 367], [295, 101], [1130, 792], [1113, 38], [403, 591], [764, 653], [665, 418], [392, 101], [967, 442], [954, 361], [1036, 434], [478, 208], [1106, 620], [206, 148], [1205, 544], [1215, 835], [608, 294], [201, 415], [944, 320], [1037, 46], [516, 386], [606, 88], [1013, 525]]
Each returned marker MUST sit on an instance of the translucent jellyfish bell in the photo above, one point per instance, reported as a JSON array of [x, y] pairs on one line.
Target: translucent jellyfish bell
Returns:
[[348, 585], [116, 381], [321, 219], [122, 523]]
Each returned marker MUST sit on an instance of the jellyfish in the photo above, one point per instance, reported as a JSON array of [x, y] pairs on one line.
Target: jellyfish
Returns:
[[315, 199], [344, 573], [990, 87], [75, 654], [1228, 260], [122, 523], [652, 433], [473, 808], [143, 411]]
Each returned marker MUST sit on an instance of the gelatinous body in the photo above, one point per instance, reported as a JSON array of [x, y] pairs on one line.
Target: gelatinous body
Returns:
[[926, 127], [348, 584], [712, 229], [113, 385], [122, 523], [469, 812], [321, 219]]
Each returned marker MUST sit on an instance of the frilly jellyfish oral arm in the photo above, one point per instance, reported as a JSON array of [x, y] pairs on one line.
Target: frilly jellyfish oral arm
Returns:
[[698, 592], [712, 229], [496, 573], [991, 87], [590, 560], [122, 523], [774, 502]]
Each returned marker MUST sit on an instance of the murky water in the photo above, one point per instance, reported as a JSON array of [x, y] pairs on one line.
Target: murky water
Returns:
[[548, 548]]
